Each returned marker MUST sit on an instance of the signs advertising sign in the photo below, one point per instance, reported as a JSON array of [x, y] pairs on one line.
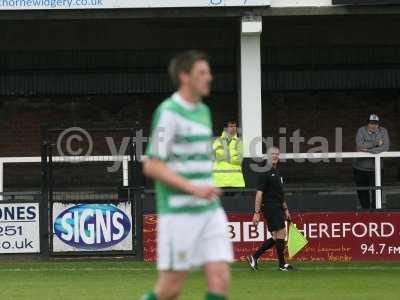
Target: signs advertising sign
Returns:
[[92, 227], [19, 228], [333, 236]]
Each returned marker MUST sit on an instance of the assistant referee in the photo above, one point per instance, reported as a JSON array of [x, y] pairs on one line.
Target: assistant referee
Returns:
[[271, 202]]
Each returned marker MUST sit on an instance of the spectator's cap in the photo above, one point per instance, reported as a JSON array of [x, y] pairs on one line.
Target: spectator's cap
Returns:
[[373, 119]]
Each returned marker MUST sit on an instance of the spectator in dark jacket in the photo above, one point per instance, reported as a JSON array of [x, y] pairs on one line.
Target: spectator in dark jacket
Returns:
[[374, 139]]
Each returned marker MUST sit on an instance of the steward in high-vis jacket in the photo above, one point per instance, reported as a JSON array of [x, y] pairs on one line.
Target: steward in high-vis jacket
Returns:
[[228, 152]]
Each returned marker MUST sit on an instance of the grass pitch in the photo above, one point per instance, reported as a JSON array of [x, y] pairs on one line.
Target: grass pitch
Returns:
[[118, 280]]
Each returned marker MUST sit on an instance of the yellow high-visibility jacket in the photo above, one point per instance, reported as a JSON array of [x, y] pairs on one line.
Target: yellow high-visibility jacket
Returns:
[[228, 154]]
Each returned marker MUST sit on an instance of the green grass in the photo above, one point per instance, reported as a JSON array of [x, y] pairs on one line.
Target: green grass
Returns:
[[118, 280]]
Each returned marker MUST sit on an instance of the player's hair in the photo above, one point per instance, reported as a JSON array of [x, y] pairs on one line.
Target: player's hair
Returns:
[[184, 62]]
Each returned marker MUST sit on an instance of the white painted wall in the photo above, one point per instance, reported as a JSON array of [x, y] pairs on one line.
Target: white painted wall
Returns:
[[294, 3], [250, 102]]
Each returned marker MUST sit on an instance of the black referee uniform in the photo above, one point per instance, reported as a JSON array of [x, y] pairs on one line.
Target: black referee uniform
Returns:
[[271, 184]]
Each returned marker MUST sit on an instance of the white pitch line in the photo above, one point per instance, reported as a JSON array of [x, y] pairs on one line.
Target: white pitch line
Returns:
[[266, 268], [350, 268], [76, 269]]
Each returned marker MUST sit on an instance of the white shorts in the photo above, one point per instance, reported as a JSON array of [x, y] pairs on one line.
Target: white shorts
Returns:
[[186, 241]]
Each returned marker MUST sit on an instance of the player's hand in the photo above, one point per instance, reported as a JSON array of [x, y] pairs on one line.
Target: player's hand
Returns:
[[256, 219], [380, 142], [210, 193], [287, 216]]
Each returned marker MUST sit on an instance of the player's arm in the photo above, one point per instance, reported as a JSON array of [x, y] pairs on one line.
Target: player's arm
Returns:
[[158, 170], [257, 207], [158, 152], [261, 186], [286, 210]]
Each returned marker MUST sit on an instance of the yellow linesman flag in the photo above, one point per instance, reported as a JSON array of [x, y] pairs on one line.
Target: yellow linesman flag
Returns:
[[296, 241]]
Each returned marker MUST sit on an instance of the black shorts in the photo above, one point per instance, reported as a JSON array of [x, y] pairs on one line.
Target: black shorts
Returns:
[[274, 215]]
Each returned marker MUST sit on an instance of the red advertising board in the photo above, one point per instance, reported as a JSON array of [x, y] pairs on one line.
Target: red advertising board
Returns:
[[332, 236]]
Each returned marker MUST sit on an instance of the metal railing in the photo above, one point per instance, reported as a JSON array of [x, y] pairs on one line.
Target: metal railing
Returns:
[[65, 159], [284, 156], [343, 155]]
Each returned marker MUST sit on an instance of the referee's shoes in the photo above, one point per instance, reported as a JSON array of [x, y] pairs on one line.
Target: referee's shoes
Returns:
[[252, 262], [286, 268]]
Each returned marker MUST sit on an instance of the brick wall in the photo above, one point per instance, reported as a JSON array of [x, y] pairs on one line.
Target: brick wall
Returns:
[[319, 114], [20, 120], [314, 115]]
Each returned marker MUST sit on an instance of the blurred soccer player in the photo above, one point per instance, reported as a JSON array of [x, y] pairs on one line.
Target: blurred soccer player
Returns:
[[192, 226], [271, 202]]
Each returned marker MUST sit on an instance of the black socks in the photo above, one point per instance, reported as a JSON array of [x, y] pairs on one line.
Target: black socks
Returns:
[[280, 251], [264, 247]]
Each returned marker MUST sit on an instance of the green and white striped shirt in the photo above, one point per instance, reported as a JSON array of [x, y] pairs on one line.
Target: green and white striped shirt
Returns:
[[182, 137]]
